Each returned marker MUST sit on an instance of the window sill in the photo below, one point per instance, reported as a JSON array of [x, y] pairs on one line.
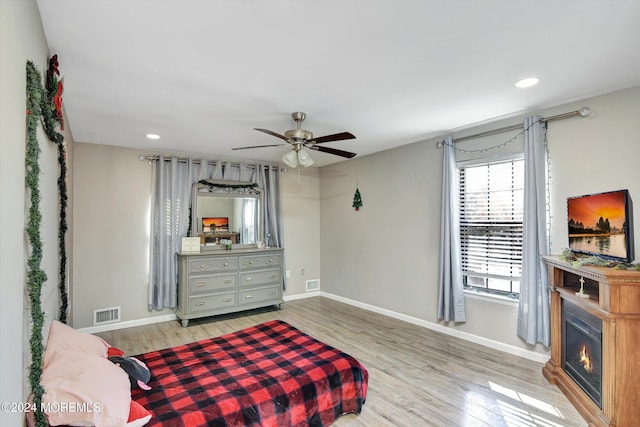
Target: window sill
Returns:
[[494, 298]]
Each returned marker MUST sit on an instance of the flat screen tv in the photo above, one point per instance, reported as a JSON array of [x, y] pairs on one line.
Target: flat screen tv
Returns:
[[601, 225], [215, 224]]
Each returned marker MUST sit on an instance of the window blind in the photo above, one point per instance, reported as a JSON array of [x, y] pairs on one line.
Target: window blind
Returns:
[[491, 205]]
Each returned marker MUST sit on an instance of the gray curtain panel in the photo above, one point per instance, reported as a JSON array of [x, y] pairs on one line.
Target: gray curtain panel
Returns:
[[533, 309], [450, 290]]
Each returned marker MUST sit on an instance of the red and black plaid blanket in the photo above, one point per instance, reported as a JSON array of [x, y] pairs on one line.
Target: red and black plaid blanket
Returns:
[[271, 374]]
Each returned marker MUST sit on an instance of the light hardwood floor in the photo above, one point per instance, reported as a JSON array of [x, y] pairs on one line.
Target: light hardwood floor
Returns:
[[417, 377]]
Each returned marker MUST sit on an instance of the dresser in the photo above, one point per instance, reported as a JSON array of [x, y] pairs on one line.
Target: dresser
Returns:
[[220, 282]]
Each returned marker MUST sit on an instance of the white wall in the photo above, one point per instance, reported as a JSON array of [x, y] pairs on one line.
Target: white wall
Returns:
[[386, 255], [111, 232], [21, 39]]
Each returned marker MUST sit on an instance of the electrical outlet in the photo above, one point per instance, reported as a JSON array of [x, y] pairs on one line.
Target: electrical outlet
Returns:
[[302, 272]]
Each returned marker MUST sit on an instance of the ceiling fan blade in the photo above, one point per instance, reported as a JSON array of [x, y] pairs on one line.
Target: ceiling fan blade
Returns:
[[335, 151], [270, 132], [259, 146], [335, 137]]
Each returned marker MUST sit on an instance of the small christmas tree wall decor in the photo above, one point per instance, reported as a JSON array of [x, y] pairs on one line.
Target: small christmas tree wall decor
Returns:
[[357, 200]]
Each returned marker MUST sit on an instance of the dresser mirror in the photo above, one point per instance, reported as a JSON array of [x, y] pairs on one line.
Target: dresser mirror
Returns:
[[225, 212]]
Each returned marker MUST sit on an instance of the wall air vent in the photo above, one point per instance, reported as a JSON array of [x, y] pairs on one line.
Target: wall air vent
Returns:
[[106, 315], [313, 285]]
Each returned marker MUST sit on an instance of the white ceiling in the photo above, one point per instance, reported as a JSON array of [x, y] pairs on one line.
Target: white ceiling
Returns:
[[202, 74]]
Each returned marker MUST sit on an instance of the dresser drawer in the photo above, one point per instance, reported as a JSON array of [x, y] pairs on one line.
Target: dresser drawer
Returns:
[[199, 284], [259, 261], [251, 296], [212, 264], [254, 278], [209, 302]]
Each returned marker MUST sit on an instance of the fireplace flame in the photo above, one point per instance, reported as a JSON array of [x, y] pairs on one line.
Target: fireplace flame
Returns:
[[585, 359]]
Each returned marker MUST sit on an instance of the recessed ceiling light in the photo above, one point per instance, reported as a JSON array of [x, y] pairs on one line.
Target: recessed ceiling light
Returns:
[[153, 136], [528, 82]]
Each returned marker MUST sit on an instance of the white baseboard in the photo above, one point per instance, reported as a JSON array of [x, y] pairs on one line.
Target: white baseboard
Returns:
[[167, 317], [302, 296], [496, 345], [128, 324]]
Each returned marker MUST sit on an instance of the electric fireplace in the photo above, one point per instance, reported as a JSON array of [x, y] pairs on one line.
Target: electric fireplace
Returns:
[[595, 331], [582, 349]]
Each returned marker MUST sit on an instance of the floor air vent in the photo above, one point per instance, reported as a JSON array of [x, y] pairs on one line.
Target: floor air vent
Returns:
[[106, 315]]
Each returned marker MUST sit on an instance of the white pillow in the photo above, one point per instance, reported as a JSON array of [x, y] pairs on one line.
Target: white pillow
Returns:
[[65, 338], [85, 388]]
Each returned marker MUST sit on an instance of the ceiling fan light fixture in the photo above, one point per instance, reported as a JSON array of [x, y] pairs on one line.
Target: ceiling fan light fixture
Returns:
[[291, 159], [299, 135], [301, 141], [304, 157]]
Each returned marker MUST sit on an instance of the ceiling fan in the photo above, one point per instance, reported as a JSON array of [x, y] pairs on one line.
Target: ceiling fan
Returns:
[[301, 141]]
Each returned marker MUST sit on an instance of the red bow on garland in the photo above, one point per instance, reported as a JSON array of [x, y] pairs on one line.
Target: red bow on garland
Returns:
[[55, 86]]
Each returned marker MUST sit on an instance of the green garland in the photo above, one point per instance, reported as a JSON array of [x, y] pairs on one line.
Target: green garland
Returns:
[[213, 184], [35, 275], [43, 104], [62, 233], [51, 108], [578, 261]]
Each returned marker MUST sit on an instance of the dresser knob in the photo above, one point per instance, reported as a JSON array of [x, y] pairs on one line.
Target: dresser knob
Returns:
[[200, 284], [248, 279], [251, 262], [201, 266], [248, 296], [270, 260], [226, 264]]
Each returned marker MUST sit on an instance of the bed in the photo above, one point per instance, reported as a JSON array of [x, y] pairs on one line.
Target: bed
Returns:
[[270, 374]]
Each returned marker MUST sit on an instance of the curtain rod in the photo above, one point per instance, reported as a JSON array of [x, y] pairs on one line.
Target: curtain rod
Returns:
[[582, 112], [142, 157]]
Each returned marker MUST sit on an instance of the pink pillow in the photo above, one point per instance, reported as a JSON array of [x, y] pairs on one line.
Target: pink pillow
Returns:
[[85, 388], [65, 338]]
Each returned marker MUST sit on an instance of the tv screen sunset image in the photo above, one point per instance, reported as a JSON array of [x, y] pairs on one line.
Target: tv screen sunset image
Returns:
[[597, 224], [211, 225]]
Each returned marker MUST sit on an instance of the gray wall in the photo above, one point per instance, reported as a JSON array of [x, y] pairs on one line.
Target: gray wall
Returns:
[[600, 153], [21, 39], [111, 233], [386, 254]]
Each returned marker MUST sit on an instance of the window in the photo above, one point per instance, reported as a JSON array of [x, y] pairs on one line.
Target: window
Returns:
[[491, 204], [249, 219]]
